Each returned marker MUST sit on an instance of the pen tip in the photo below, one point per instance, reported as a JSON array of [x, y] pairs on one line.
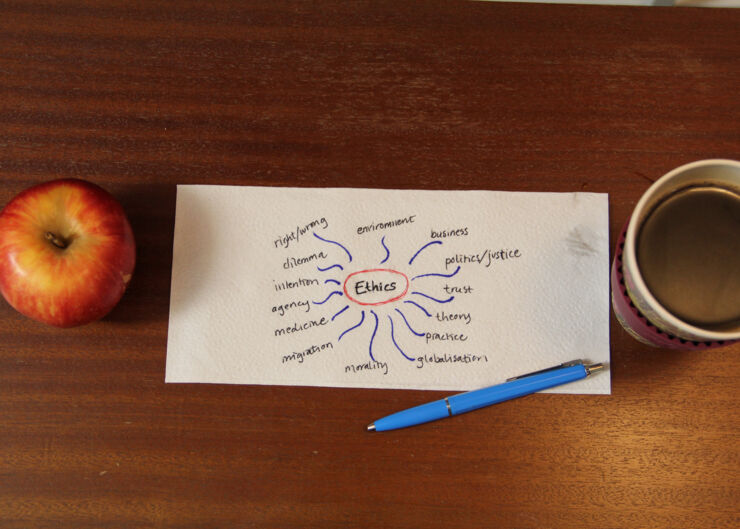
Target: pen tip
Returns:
[[371, 427]]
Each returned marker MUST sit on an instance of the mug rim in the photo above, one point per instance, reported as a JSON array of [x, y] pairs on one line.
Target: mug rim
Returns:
[[630, 257]]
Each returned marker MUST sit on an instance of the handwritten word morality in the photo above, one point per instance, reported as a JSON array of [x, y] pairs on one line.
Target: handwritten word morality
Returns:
[[284, 241], [367, 366], [484, 258]]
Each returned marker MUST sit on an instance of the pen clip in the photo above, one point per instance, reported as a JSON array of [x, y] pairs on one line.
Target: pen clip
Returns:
[[559, 366]]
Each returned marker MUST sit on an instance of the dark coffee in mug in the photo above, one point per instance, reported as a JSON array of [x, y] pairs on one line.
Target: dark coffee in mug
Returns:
[[688, 252]]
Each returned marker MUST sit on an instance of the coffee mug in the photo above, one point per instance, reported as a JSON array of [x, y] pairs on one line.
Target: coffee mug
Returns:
[[676, 272]]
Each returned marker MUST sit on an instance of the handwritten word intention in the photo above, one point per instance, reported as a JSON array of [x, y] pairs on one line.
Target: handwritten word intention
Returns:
[[300, 282], [486, 257], [284, 240]]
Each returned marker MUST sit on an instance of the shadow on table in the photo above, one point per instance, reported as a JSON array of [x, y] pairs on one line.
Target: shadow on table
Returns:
[[151, 212]]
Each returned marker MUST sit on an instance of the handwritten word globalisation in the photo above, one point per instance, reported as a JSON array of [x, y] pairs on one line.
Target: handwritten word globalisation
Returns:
[[446, 358]]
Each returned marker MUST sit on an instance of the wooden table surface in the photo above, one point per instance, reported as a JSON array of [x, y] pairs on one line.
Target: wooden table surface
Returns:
[[141, 96]]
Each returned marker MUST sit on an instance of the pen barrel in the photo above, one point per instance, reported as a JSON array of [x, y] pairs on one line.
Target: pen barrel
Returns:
[[473, 400], [430, 411]]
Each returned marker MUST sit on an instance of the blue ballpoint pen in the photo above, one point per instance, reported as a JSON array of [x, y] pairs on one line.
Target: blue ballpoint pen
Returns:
[[479, 398]]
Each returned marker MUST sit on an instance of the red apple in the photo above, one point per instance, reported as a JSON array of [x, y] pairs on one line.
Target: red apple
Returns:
[[67, 252]]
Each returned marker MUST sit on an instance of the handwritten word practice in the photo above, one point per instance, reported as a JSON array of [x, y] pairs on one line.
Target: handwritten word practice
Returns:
[[292, 262], [454, 232], [486, 257], [284, 240], [447, 358], [383, 225], [445, 337], [297, 327], [280, 309], [299, 356]]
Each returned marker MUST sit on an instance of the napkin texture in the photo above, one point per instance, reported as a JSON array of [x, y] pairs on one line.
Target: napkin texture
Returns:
[[414, 289]]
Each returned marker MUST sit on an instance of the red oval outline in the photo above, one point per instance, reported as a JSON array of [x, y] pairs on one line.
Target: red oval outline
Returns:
[[344, 286]]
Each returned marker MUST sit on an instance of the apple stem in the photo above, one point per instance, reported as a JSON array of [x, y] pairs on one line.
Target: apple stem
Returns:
[[56, 240]]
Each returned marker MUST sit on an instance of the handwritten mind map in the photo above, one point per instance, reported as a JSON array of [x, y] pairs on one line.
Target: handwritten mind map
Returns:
[[385, 288]]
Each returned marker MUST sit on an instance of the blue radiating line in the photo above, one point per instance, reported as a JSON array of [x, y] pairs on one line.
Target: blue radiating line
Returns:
[[338, 313], [387, 251], [345, 332], [438, 275], [327, 297], [373, 336], [394, 342], [408, 325], [422, 308], [330, 267], [338, 244], [420, 249], [434, 299], [335, 281]]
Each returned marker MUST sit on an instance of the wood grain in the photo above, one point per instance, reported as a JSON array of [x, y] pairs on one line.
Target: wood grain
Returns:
[[141, 96]]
